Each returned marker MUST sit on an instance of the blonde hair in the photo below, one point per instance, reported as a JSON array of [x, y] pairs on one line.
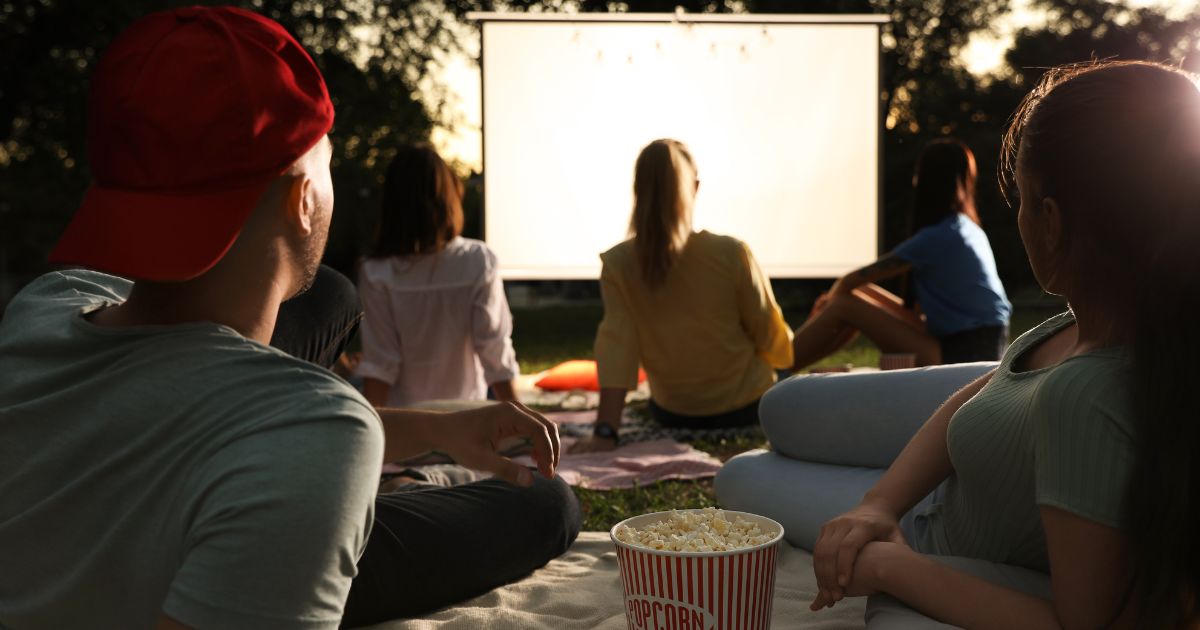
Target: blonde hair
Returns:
[[664, 188]]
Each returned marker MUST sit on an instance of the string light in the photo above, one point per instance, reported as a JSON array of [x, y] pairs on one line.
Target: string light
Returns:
[[679, 17]]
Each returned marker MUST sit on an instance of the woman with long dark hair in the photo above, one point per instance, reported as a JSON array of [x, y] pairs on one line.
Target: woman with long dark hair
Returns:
[[692, 307], [1077, 456], [436, 323], [961, 311]]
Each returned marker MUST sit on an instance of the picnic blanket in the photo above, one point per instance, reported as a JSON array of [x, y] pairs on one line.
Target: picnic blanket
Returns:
[[637, 426], [648, 453], [637, 464], [629, 466], [582, 590]]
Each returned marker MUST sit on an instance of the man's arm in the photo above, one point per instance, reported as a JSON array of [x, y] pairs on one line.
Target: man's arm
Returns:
[[277, 519], [471, 437]]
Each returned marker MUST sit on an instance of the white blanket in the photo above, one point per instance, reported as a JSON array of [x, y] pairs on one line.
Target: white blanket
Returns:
[[582, 590]]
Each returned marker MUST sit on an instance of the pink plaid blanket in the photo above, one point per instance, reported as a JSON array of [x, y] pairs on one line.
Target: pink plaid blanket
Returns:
[[639, 464]]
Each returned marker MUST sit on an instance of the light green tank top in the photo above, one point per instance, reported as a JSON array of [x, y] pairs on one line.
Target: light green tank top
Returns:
[[1058, 436]]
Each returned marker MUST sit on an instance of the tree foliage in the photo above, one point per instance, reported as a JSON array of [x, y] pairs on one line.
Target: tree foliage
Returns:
[[378, 57]]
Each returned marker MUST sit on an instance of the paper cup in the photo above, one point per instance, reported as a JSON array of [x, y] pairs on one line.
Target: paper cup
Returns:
[[698, 590]]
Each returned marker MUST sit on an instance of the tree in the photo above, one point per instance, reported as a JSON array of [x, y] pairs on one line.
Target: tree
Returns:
[[377, 57], [1084, 30], [1077, 31], [374, 56]]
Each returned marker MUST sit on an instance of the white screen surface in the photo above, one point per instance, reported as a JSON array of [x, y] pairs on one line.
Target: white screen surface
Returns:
[[782, 120]]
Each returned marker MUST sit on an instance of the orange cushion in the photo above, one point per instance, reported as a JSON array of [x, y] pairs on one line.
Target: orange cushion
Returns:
[[575, 374]]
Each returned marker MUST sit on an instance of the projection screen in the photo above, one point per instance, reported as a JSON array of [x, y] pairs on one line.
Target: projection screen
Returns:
[[781, 114]]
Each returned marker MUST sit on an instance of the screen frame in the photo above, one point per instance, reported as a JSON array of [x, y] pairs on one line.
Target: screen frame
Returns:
[[680, 17]]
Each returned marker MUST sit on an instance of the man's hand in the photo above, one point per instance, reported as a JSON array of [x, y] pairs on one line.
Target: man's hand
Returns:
[[840, 543], [471, 439], [593, 444]]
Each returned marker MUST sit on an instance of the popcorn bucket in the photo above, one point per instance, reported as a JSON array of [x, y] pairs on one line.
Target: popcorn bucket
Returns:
[[698, 590]]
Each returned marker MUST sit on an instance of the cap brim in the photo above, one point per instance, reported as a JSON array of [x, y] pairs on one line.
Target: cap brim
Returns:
[[153, 236]]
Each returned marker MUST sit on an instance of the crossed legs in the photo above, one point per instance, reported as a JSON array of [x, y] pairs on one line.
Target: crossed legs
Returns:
[[874, 312], [430, 546]]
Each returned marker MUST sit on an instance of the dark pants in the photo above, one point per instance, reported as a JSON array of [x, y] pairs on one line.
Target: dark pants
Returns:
[[430, 546], [317, 324], [986, 343], [741, 417]]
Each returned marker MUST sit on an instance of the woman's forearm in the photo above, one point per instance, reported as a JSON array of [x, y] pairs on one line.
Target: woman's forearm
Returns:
[[612, 404], [924, 462], [958, 598]]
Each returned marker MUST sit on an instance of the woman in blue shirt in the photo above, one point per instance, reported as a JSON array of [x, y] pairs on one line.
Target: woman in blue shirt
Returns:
[[961, 312]]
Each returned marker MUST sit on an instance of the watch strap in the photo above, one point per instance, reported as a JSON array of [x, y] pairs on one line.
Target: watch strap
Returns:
[[605, 430]]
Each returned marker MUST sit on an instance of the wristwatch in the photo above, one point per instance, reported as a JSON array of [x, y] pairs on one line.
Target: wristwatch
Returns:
[[606, 431]]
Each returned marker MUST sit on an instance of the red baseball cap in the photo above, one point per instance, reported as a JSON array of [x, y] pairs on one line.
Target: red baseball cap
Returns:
[[192, 113]]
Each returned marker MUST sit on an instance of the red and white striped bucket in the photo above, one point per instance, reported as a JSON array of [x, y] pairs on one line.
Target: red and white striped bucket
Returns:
[[699, 590]]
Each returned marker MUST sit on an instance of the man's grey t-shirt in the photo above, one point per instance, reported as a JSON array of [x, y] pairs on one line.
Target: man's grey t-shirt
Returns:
[[180, 469]]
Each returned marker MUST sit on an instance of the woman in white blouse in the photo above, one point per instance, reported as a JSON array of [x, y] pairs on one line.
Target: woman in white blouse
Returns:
[[436, 324]]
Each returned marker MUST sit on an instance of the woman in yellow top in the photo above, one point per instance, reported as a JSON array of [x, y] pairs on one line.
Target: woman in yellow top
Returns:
[[692, 307]]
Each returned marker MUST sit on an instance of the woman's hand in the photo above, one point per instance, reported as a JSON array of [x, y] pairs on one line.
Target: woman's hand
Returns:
[[840, 544], [471, 438], [867, 576], [593, 444], [612, 406]]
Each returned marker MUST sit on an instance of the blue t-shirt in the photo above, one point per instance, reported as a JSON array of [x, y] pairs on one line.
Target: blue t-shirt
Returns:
[[955, 275]]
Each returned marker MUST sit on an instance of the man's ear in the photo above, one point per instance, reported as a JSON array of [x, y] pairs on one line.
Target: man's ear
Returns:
[[298, 206]]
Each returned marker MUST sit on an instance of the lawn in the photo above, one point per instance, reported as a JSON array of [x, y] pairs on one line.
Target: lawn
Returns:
[[549, 335]]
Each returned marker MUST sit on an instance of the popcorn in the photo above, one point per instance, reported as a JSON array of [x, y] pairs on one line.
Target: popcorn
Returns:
[[696, 530]]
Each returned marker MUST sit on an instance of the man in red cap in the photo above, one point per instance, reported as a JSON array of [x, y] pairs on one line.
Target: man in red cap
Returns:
[[163, 466]]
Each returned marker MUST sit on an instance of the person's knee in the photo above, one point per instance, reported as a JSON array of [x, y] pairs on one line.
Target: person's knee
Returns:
[[336, 289], [556, 503], [793, 408], [840, 303], [736, 481]]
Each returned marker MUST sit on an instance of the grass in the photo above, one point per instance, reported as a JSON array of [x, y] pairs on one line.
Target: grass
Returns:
[[604, 508], [547, 336]]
